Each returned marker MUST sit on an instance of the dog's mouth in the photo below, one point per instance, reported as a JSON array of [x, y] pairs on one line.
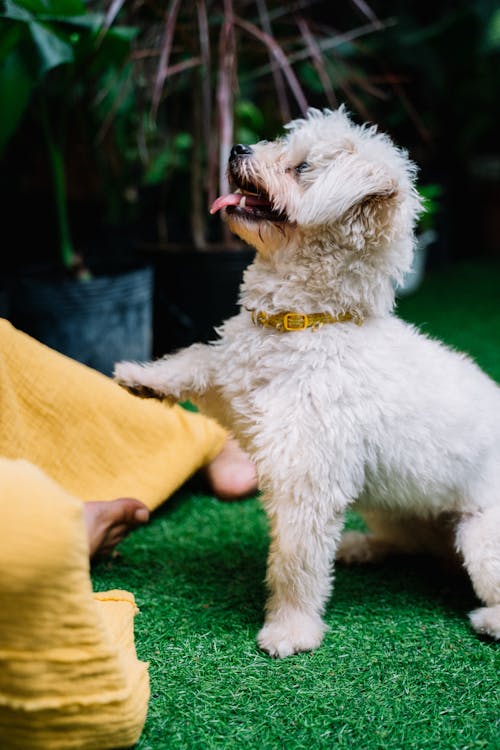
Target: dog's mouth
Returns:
[[249, 201]]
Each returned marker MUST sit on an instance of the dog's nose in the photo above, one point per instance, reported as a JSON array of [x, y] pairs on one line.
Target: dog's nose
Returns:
[[240, 150]]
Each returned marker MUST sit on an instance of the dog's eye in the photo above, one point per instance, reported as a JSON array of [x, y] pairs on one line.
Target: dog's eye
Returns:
[[301, 167]]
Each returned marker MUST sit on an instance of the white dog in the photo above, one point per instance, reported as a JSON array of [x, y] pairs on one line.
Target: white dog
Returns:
[[339, 403]]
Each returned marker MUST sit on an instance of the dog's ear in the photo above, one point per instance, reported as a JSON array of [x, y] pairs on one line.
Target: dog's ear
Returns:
[[367, 197], [366, 184], [372, 218], [347, 182]]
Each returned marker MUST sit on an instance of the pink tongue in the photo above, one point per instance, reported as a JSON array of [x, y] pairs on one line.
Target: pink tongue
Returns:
[[234, 199]]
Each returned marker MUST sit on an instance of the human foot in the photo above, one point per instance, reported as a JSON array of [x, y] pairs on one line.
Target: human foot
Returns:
[[110, 521], [232, 474]]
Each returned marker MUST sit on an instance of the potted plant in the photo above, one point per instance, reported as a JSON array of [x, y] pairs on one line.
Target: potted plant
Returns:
[[57, 58]]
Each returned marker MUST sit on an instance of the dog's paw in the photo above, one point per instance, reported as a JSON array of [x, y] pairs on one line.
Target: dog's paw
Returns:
[[486, 621], [290, 635], [141, 381], [356, 548], [133, 376], [143, 391]]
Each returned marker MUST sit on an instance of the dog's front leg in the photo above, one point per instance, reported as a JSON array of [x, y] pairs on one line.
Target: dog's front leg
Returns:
[[304, 536], [175, 377]]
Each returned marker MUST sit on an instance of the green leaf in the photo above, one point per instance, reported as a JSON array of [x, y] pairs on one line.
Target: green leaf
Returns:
[[52, 51], [92, 22], [10, 38], [172, 156], [431, 194], [158, 167], [113, 51], [16, 85], [15, 12], [249, 115], [34, 8], [492, 33], [63, 7], [183, 141]]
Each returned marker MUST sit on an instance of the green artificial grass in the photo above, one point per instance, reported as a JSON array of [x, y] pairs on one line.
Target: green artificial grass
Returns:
[[400, 667]]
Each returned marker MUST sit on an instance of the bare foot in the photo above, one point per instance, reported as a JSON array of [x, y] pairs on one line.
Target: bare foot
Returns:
[[109, 522], [232, 474]]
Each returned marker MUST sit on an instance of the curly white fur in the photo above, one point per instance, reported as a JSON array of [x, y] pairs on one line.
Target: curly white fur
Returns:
[[378, 417]]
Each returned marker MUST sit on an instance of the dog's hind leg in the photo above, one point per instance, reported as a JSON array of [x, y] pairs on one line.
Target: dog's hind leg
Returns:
[[391, 534], [357, 547], [478, 541]]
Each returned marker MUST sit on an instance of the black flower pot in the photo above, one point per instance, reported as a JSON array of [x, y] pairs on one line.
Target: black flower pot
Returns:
[[97, 321]]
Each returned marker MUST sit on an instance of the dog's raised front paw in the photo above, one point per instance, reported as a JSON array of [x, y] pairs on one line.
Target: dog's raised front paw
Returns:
[[486, 621], [140, 381], [291, 634]]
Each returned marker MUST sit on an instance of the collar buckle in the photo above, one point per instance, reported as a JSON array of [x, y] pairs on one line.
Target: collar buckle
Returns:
[[295, 321]]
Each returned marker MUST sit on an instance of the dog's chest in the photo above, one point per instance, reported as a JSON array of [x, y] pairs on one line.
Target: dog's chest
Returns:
[[261, 367]]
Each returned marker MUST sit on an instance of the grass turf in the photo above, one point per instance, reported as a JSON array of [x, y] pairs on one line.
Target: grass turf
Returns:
[[400, 667]]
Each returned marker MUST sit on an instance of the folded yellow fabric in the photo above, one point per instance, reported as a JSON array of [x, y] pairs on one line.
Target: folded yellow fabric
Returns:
[[95, 439], [69, 674]]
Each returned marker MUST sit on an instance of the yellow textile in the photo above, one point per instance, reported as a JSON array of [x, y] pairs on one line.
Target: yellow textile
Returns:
[[95, 439], [69, 675]]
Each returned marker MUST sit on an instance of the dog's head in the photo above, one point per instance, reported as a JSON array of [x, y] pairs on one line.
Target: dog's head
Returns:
[[328, 181]]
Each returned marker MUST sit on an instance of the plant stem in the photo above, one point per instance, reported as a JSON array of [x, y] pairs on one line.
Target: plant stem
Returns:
[[56, 160]]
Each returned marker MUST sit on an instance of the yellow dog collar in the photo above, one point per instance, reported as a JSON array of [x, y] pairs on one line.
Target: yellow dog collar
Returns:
[[294, 321]]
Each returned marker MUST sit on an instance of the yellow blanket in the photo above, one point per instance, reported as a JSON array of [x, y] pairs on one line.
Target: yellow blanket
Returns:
[[69, 675]]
